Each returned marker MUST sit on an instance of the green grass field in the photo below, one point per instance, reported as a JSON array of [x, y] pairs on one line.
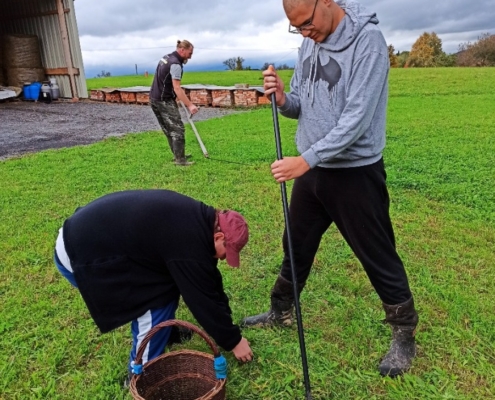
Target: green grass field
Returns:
[[439, 160], [220, 78]]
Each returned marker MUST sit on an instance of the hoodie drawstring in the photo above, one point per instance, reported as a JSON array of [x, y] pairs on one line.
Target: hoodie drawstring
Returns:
[[312, 71]]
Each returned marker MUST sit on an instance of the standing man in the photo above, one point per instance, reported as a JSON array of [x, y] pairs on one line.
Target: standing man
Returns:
[[132, 254], [338, 95], [165, 91]]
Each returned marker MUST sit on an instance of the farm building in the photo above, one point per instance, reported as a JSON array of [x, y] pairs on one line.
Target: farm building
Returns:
[[39, 40]]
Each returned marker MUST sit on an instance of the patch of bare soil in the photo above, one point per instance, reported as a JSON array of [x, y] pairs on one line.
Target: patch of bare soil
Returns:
[[27, 127]]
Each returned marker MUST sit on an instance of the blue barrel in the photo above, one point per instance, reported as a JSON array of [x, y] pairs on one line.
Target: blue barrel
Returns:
[[32, 91], [35, 90], [27, 91]]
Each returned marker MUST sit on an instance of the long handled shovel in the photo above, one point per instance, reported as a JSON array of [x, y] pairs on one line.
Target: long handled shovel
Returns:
[[203, 148], [283, 188]]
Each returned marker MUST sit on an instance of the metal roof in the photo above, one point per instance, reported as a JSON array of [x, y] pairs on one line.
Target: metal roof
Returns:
[[54, 22]]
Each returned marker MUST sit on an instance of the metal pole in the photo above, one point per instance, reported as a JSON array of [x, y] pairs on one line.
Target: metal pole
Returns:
[[283, 188], [203, 148]]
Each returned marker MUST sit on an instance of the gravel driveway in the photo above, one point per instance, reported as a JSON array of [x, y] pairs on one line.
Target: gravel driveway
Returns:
[[27, 127]]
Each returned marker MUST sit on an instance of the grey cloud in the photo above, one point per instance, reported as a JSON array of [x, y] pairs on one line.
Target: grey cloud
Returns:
[[114, 17], [439, 16], [402, 21]]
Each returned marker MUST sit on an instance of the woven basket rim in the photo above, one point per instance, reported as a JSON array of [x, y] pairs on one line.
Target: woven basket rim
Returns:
[[219, 384]]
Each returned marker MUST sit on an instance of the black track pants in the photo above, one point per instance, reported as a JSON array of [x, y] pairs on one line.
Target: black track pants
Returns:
[[357, 201]]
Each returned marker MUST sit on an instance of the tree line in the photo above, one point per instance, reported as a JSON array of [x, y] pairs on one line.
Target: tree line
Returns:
[[426, 52], [237, 64]]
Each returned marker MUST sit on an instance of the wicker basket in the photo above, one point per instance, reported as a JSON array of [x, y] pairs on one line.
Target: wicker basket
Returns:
[[178, 375]]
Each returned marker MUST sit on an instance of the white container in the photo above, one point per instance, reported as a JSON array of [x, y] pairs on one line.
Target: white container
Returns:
[[45, 88], [46, 93], [55, 91]]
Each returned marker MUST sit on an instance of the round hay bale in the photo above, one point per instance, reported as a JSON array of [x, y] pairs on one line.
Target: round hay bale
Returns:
[[21, 51], [19, 76], [1, 51]]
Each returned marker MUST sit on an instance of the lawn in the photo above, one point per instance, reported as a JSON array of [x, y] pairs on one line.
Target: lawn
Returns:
[[220, 78], [440, 165]]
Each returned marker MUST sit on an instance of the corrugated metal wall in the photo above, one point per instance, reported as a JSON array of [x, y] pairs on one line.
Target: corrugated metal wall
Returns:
[[40, 17]]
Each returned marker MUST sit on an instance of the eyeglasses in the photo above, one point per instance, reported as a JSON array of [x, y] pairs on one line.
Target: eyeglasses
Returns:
[[306, 26]]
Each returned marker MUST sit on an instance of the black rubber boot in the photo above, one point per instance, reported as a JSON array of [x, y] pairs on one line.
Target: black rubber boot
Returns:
[[188, 156], [179, 146], [178, 335], [127, 380], [403, 319], [282, 307]]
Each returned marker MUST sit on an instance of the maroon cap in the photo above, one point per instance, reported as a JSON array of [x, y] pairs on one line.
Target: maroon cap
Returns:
[[235, 228]]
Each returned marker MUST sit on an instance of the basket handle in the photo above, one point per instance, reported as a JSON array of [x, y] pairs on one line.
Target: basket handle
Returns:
[[174, 322]]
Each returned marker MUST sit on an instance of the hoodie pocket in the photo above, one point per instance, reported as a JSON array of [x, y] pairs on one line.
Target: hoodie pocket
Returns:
[[105, 285], [312, 130]]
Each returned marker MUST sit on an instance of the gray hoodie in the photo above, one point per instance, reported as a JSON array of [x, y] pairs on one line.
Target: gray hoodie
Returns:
[[339, 93]]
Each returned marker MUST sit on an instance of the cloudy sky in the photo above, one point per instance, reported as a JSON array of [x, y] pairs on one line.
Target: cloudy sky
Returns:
[[117, 35]]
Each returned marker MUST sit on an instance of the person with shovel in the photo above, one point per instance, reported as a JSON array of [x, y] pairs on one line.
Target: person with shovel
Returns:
[[338, 94], [132, 254], [164, 94]]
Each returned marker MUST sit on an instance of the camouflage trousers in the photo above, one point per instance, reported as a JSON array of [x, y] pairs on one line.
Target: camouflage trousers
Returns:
[[168, 116]]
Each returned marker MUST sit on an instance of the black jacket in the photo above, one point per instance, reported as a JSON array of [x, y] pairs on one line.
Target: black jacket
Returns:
[[162, 87], [136, 250]]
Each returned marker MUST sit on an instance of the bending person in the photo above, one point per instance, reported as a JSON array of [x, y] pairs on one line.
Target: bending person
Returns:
[[132, 254]]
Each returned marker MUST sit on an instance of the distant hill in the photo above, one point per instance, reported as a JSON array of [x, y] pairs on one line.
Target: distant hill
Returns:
[[93, 71], [255, 63]]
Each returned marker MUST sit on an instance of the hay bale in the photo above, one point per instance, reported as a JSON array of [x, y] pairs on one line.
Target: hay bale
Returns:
[[22, 51], [1, 52], [19, 76], [3, 81]]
